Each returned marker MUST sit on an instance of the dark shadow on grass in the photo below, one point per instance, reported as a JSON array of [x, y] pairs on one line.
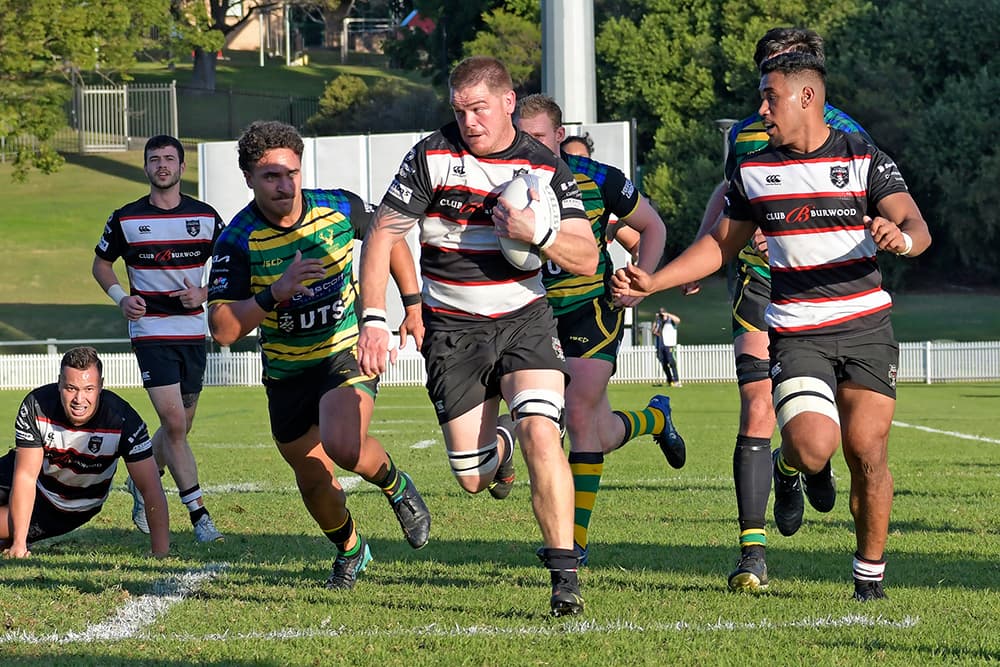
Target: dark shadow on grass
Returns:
[[621, 564], [109, 167]]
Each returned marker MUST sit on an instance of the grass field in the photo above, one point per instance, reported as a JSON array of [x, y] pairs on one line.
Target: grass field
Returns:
[[662, 544]]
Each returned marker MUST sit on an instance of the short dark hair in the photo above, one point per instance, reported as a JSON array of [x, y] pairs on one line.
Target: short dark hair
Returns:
[[82, 358], [794, 62], [481, 69], [536, 104], [585, 139], [163, 141], [264, 135], [779, 40]]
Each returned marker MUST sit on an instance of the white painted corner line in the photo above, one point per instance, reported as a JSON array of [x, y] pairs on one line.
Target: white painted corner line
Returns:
[[954, 434], [134, 615]]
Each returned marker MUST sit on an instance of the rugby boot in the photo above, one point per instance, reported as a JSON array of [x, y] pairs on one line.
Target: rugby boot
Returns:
[[503, 480], [788, 503], [412, 513], [669, 440], [821, 489], [347, 568]]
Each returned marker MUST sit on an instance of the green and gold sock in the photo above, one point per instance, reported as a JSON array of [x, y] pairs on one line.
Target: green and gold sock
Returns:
[[341, 535], [784, 468], [587, 468], [753, 537], [641, 422]]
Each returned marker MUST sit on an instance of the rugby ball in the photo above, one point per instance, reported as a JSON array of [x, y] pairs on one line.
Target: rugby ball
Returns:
[[523, 255]]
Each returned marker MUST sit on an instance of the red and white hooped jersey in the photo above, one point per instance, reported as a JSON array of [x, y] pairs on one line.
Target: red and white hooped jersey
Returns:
[[824, 275], [453, 193]]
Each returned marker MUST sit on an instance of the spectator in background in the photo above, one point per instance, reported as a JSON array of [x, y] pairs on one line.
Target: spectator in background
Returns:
[[665, 335]]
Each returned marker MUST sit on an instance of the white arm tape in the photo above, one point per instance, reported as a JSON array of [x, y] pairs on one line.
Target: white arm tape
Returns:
[[908, 240], [117, 294]]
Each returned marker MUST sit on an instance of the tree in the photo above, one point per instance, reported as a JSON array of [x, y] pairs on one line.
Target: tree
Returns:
[[46, 43], [516, 39], [201, 26]]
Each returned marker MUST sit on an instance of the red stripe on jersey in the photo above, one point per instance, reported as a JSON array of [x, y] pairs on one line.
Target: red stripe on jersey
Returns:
[[479, 283], [178, 267], [829, 299], [839, 159], [193, 339], [68, 427], [817, 230], [829, 323], [465, 315], [171, 242], [838, 194], [831, 265], [169, 216], [460, 251]]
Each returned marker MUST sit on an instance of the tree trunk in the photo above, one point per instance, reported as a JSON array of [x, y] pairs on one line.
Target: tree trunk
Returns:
[[203, 75]]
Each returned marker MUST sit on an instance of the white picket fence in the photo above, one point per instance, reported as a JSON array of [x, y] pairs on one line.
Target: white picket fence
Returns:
[[919, 362]]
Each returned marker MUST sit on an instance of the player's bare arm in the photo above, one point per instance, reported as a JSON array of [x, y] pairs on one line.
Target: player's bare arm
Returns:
[[133, 306], [702, 258], [27, 466], [652, 237], [232, 321], [146, 477], [387, 230], [900, 227]]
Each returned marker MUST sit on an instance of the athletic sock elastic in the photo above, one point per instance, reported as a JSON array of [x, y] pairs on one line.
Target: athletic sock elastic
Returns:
[[392, 483], [587, 468], [341, 535], [784, 468], [192, 500], [641, 422], [868, 570], [752, 477]]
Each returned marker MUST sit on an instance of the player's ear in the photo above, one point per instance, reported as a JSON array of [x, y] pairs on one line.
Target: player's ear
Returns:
[[808, 96]]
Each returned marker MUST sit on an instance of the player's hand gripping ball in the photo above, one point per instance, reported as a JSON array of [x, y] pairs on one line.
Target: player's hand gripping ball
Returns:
[[527, 256]]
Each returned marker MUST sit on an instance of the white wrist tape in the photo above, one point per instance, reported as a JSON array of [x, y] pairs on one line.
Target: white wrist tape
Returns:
[[117, 294], [908, 240], [374, 317]]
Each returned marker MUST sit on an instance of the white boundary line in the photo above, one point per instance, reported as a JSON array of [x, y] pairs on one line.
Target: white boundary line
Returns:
[[954, 434], [134, 615], [138, 614]]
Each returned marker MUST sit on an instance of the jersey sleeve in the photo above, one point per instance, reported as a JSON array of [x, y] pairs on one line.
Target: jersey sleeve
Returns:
[[219, 226], [884, 178], [229, 279], [112, 244], [26, 433], [737, 205], [620, 195], [135, 443], [361, 214], [411, 191], [568, 193]]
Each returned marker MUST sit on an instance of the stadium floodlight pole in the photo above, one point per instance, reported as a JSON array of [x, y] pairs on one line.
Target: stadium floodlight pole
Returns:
[[724, 124], [568, 70]]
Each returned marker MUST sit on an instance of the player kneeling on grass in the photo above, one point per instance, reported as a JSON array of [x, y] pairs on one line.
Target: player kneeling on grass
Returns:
[[826, 201], [69, 436], [284, 266]]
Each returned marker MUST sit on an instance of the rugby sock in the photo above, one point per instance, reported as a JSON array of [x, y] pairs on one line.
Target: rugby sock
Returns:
[[784, 468], [392, 483], [587, 468], [868, 570], [640, 422], [193, 501], [752, 475], [341, 535]]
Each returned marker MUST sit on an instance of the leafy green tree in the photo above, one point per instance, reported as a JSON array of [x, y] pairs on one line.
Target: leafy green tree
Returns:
[[46, 43], [349, 106], [516, 40]]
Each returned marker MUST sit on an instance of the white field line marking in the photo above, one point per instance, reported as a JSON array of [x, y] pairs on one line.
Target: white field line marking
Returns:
[[423, 444], [134, 615], [573, 627], [954, 434]]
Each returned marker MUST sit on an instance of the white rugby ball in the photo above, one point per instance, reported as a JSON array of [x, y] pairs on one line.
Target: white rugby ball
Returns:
[[523, 255]]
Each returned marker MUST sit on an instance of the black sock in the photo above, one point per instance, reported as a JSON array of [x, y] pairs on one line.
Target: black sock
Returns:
[[752, 475]]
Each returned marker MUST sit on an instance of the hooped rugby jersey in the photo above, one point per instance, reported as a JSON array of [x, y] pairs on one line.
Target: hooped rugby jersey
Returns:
[[80, 461], [606, 191], [161, 248], [810, 206], [453, 192], [252, 253], [748, 136]]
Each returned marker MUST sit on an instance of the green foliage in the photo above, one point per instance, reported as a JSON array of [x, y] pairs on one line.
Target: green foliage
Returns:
[[515, 40], [457, 21], [348, 105], [45, 41]]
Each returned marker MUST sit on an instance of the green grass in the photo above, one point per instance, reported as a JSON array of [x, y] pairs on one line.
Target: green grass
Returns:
[[662, 544]]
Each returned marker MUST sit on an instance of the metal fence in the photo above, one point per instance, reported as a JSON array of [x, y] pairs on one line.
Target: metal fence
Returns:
[[919, 362], [223, 114]]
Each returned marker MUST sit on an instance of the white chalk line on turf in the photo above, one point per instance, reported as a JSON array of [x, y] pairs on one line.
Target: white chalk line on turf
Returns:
[[954, 434], [571, 627], [134, 615]]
